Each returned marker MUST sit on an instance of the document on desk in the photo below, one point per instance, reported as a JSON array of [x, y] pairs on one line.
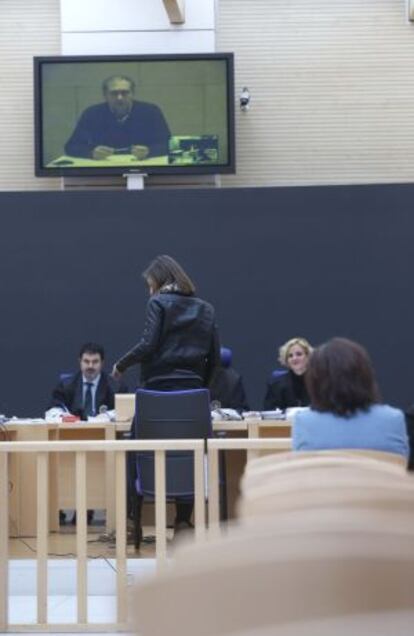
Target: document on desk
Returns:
[[225, 414], [26, 421], [102, 418], [277, 414]]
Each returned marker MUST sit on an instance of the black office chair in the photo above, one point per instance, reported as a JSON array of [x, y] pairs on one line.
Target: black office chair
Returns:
[[168, 415]]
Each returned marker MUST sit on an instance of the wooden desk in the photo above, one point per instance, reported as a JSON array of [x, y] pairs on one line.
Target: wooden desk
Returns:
[[22, 473], [268, 428], [100, 467], [236, 459]]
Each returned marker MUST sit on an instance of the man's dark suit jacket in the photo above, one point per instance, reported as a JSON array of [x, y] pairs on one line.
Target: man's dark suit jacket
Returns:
[[97, 126], [227, 388], [68, 393]]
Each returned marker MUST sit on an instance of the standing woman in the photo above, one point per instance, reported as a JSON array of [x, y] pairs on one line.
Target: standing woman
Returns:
[[288, 388], [179, 347]]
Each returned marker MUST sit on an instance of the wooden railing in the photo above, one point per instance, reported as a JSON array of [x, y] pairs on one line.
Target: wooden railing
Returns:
[[81, 449]]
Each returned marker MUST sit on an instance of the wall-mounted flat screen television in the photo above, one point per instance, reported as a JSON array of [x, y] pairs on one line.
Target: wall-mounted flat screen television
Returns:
[[137, 113]]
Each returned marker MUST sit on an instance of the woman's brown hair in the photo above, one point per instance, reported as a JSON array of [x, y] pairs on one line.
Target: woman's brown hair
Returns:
[[340, 378], [165, 271]]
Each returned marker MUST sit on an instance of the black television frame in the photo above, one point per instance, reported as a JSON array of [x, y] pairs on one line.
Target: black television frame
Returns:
[[41, 171]]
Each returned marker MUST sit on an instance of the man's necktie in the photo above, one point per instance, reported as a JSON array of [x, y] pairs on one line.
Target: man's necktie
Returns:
[[87, 402]]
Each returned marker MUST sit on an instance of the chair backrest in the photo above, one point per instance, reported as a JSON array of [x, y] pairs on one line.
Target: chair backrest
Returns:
[[170, 415], [173, 414], [277, 373], [226, 356], [66, 376]]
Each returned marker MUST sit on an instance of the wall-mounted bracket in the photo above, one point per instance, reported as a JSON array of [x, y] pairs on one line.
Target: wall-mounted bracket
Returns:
[[175, 10]]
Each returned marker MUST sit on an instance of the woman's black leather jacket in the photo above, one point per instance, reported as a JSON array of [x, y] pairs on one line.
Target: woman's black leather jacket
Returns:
[[179, 341]]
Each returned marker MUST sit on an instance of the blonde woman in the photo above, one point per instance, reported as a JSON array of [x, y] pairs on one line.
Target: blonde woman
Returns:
[[287, 388]]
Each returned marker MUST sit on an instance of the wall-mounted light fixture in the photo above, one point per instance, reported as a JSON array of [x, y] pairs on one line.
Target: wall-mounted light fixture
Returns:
[[245, 99]]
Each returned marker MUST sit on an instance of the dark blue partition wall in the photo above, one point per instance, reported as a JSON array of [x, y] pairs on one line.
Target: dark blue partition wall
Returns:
[[276, 262]]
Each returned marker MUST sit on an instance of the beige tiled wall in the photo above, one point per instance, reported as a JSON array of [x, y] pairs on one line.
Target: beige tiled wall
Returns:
[[331, 83], [27, 28], [332, 90]]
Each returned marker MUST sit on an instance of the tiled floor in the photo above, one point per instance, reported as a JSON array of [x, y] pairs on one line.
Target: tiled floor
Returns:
[[63, 544], [62, 576], [62, 588]]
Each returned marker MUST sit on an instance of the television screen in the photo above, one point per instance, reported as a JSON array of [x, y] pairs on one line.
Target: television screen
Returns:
[[137, 113]]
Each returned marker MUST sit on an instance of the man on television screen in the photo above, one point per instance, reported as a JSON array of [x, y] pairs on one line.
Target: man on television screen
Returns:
[[120, 125]]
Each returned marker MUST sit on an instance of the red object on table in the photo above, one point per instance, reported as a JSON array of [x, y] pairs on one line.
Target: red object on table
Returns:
[[70, 418]]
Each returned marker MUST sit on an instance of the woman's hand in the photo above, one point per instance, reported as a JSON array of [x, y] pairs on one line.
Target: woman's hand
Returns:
[[117, 375]]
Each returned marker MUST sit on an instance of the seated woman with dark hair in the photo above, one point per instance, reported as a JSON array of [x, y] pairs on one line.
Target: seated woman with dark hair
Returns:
[[287, 389], [345, 404]]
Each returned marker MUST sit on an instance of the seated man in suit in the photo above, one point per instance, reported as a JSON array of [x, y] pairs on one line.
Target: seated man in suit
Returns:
[[91, 390], [86, 393]]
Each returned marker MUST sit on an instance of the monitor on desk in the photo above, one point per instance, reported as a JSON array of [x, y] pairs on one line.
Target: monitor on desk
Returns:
[[100, 115]]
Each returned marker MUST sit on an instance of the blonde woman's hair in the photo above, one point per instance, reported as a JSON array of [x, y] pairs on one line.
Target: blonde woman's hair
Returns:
[[285, 348]]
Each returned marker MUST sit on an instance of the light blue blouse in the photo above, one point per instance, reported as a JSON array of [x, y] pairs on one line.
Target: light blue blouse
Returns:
[[380, 428]]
